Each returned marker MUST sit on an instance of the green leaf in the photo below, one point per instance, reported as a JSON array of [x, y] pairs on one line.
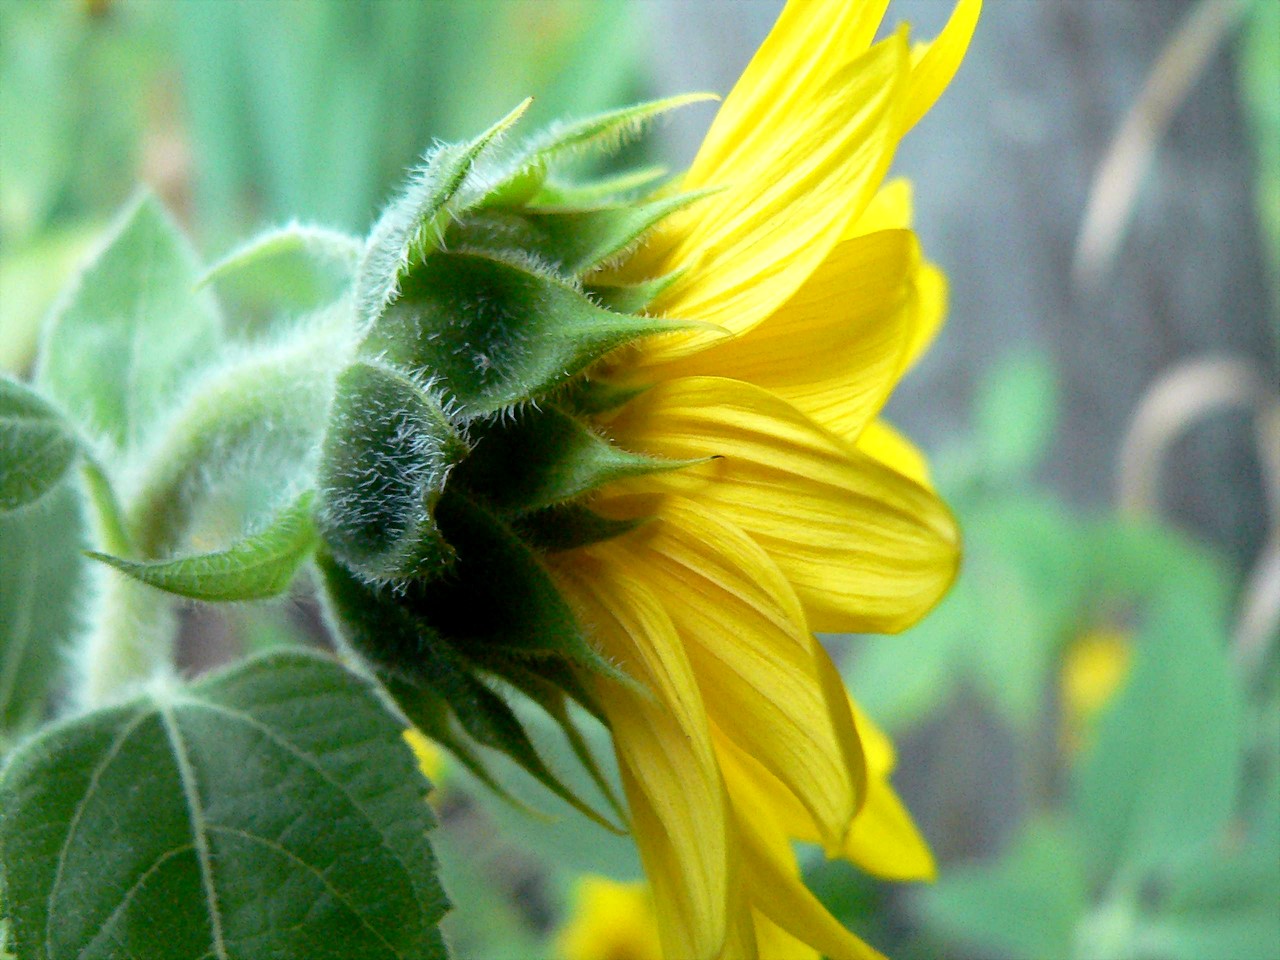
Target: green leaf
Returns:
[[41, 601], [496, 334], [36, 446], [1162, 776], [1025, 904], [131, 331], [413, 225], [568, 526], [598, 190], [542, 457], [259, 566], [383, 467], [604, 132], [1223, 906], [291, 270], [271, 810], [631, 297], [1016, 410]]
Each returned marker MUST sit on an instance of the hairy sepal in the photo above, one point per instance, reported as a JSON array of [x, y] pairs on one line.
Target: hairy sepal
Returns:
[[384, 462], [494, 334]]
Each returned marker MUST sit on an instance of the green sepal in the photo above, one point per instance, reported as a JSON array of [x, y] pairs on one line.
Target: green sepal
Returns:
[[568, 526], [554, 193], [37, 446], [631, 297], [604, 133], [587, 397], [259, 566], [413, 225], [545, 684], [572, 241], [541, 457], [422, 672], [497, 596], [383, 465], [495, 333]]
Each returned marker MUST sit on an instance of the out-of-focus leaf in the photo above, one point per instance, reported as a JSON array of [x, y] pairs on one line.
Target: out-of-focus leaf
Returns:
[[272, 810], [42, 576], [1223, 907], [1016, 413], [1161, 778], [1259, 73], [1026, 903], [287, 271], [36, 446], [30, 277], [259, 566], [131, 331]]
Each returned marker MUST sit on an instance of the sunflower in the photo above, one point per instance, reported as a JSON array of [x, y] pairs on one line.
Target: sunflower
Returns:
[[801, 510], [626, 452]]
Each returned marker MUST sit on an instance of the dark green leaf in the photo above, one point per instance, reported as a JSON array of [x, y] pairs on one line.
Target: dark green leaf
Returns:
[[132, 331], [383, 467], [413, 225], [273, 810], [42, 574], [36, 447], [1224, 906], [259, 566], [496, 334], [1025, 904], [631, 297], [567, 527], [541, 457]]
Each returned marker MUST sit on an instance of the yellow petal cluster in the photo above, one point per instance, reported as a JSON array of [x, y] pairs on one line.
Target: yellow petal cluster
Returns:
[[805, 511]]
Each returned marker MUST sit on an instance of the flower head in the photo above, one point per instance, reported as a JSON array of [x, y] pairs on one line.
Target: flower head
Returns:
[[628, 452]]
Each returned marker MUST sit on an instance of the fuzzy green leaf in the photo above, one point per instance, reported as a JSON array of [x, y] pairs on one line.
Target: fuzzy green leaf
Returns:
[[568, 526], [542, 457], [630, 297], [259, 566], [36, 446], [605, 132], [413, 224], [291, 269], [494, 333], [271, 810], [132, 330], [383, 467]]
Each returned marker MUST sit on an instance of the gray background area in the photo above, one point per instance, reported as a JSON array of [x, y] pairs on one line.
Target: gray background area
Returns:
[[1003, 167]]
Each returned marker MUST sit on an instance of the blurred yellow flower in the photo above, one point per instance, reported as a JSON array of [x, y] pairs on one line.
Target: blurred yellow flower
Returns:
[[429, 756], [1093, 669], [805, 512], [609, 921]]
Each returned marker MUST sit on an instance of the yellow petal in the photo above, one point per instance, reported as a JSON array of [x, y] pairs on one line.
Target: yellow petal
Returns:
[[809, 41], [930, 311], [836, 348], [754, 658], [934, 64], [881, 441], [776, 944], [889, 209], [778, 892], [669, 770], [865, 548], [884, 839], [746, 250]]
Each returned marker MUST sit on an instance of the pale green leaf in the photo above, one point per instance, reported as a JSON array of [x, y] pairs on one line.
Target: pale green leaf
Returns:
[[273, 810], [36, 446], [131, 331]]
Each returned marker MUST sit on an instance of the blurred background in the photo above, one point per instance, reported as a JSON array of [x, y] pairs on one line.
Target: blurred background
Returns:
[[1089, 726]]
